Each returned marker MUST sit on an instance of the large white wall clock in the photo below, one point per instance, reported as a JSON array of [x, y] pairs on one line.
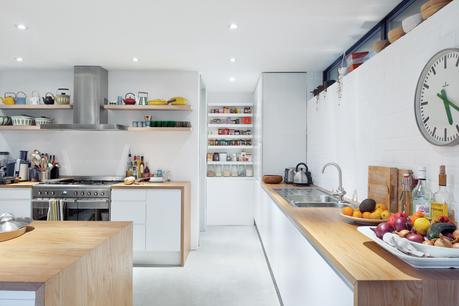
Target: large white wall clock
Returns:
[[436, 104]]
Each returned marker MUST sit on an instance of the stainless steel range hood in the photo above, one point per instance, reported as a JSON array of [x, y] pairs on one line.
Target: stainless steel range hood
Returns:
[[90, 94]]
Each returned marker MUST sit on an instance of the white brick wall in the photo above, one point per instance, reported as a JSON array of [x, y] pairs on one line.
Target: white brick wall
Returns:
[[375, 123]]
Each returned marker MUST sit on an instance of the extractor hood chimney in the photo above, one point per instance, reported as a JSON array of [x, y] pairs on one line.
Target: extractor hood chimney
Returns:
[[90, 94]]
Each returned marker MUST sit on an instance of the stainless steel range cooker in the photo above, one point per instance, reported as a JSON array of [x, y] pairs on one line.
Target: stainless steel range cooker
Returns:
[[78, 198]]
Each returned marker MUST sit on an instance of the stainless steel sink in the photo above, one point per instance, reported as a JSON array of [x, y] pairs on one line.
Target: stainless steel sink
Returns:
[[308, 197]]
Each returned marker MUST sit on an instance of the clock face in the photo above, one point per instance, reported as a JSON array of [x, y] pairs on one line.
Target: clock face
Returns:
[[436, 104]]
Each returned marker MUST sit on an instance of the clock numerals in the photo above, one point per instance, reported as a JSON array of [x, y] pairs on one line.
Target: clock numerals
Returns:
[[426, 119], [457, 62], [446, 64], [434, 131], [433, 70], [446, 134], [424, 103], [426, 86]]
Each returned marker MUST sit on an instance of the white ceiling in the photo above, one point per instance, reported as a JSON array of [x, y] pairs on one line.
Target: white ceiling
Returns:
[[273, 35]]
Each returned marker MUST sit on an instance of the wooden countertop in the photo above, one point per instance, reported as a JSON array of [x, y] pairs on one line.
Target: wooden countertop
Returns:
[[51, 247], [19, 185], [367, 266], [165, 185]]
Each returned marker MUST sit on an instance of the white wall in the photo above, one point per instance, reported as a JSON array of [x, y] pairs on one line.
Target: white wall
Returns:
[[105, 153], [375, 123], [229, 97]]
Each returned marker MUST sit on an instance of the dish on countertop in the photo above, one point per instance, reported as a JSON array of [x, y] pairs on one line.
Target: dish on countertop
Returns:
[[361, 221], [417, 262]]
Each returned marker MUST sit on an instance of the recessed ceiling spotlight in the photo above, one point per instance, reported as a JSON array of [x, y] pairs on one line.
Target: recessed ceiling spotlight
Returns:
[[232, 79], [233, 26], [233, 60], [21, 27], [19, 59], [135, 59]]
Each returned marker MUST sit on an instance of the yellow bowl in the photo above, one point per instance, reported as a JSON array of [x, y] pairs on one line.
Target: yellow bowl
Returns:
[[157, 102]]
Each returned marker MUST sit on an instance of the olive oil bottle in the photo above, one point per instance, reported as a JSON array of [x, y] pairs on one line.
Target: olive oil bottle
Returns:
[[441, 197]]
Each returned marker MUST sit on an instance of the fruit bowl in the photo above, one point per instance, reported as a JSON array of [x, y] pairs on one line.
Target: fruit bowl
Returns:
[[361, 221]]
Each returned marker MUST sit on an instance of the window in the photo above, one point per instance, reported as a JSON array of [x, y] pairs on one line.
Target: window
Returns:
[[393, 20]]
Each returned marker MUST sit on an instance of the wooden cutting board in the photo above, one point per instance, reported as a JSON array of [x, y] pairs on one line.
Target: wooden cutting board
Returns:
[[383, 186]]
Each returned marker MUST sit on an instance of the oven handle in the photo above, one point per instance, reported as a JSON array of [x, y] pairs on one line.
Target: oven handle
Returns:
[[69, 203]]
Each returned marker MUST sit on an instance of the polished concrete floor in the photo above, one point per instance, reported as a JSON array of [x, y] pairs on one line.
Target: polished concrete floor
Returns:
[[229, 269]]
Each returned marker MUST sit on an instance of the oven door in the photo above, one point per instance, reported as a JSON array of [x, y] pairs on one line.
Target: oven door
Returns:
[[40, 209], [93, 209], [75, 209]]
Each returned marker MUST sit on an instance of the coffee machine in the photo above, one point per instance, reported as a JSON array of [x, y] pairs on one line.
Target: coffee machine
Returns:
[[21, 167]]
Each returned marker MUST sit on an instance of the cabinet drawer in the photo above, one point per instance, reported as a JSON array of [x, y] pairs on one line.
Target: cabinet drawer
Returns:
[[129, 195], [15, 193], [128, 211], [19, 208]]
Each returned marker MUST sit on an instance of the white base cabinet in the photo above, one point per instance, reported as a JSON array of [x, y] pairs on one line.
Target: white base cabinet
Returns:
[[17, 201], [157, 215], [303, 277], [230, 201]]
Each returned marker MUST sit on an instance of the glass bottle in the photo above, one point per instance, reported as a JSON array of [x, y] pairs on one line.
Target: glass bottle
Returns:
[[406, 198], [421, 194], [441, 197]]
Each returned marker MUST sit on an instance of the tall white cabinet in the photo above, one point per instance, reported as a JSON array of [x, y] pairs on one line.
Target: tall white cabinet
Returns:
[[281, 137]]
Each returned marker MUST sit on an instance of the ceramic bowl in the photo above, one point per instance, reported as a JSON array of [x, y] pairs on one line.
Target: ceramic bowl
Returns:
[[43, 120], [22, 120], [409, 23]]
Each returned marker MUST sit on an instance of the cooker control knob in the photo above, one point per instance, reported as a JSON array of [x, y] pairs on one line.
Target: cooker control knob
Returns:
[[52, 192], [88, 193], [102, 194], [75, 193], [39, 193], [95, 193], [82, 193]]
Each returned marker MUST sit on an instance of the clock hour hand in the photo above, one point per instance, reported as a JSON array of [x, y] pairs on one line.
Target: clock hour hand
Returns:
[[446, 104], [444, 97]]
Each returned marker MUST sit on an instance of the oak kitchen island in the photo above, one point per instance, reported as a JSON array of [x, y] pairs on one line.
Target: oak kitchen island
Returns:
[[317, 259], [69, 263]]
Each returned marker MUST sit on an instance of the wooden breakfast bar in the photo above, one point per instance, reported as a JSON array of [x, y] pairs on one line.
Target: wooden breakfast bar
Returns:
[[68, 263]]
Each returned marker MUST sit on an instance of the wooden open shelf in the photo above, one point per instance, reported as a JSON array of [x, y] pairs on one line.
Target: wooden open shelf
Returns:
[[159, 129], [36, 106], [19, 127], [149, 107]]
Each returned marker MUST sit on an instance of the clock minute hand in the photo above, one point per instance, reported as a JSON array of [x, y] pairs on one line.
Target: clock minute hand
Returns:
[[445, 98], [446, 104]]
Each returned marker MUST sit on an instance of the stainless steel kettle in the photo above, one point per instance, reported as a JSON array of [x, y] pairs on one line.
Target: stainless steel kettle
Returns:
[[302, 175]]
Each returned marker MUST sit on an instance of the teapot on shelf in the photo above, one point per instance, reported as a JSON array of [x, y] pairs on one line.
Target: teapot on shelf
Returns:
[[9, 98], [48, 98]]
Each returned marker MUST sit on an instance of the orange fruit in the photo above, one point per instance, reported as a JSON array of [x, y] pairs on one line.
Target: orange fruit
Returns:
[[348, 211], [418, 214], [357, 214], [366, 215], [375, 215], [382, 206], [385, 214]]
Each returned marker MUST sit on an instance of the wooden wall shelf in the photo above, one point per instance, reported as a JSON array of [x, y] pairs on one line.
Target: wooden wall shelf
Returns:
[[159, 129], [19, 127], [149, 107], [37, 106]]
